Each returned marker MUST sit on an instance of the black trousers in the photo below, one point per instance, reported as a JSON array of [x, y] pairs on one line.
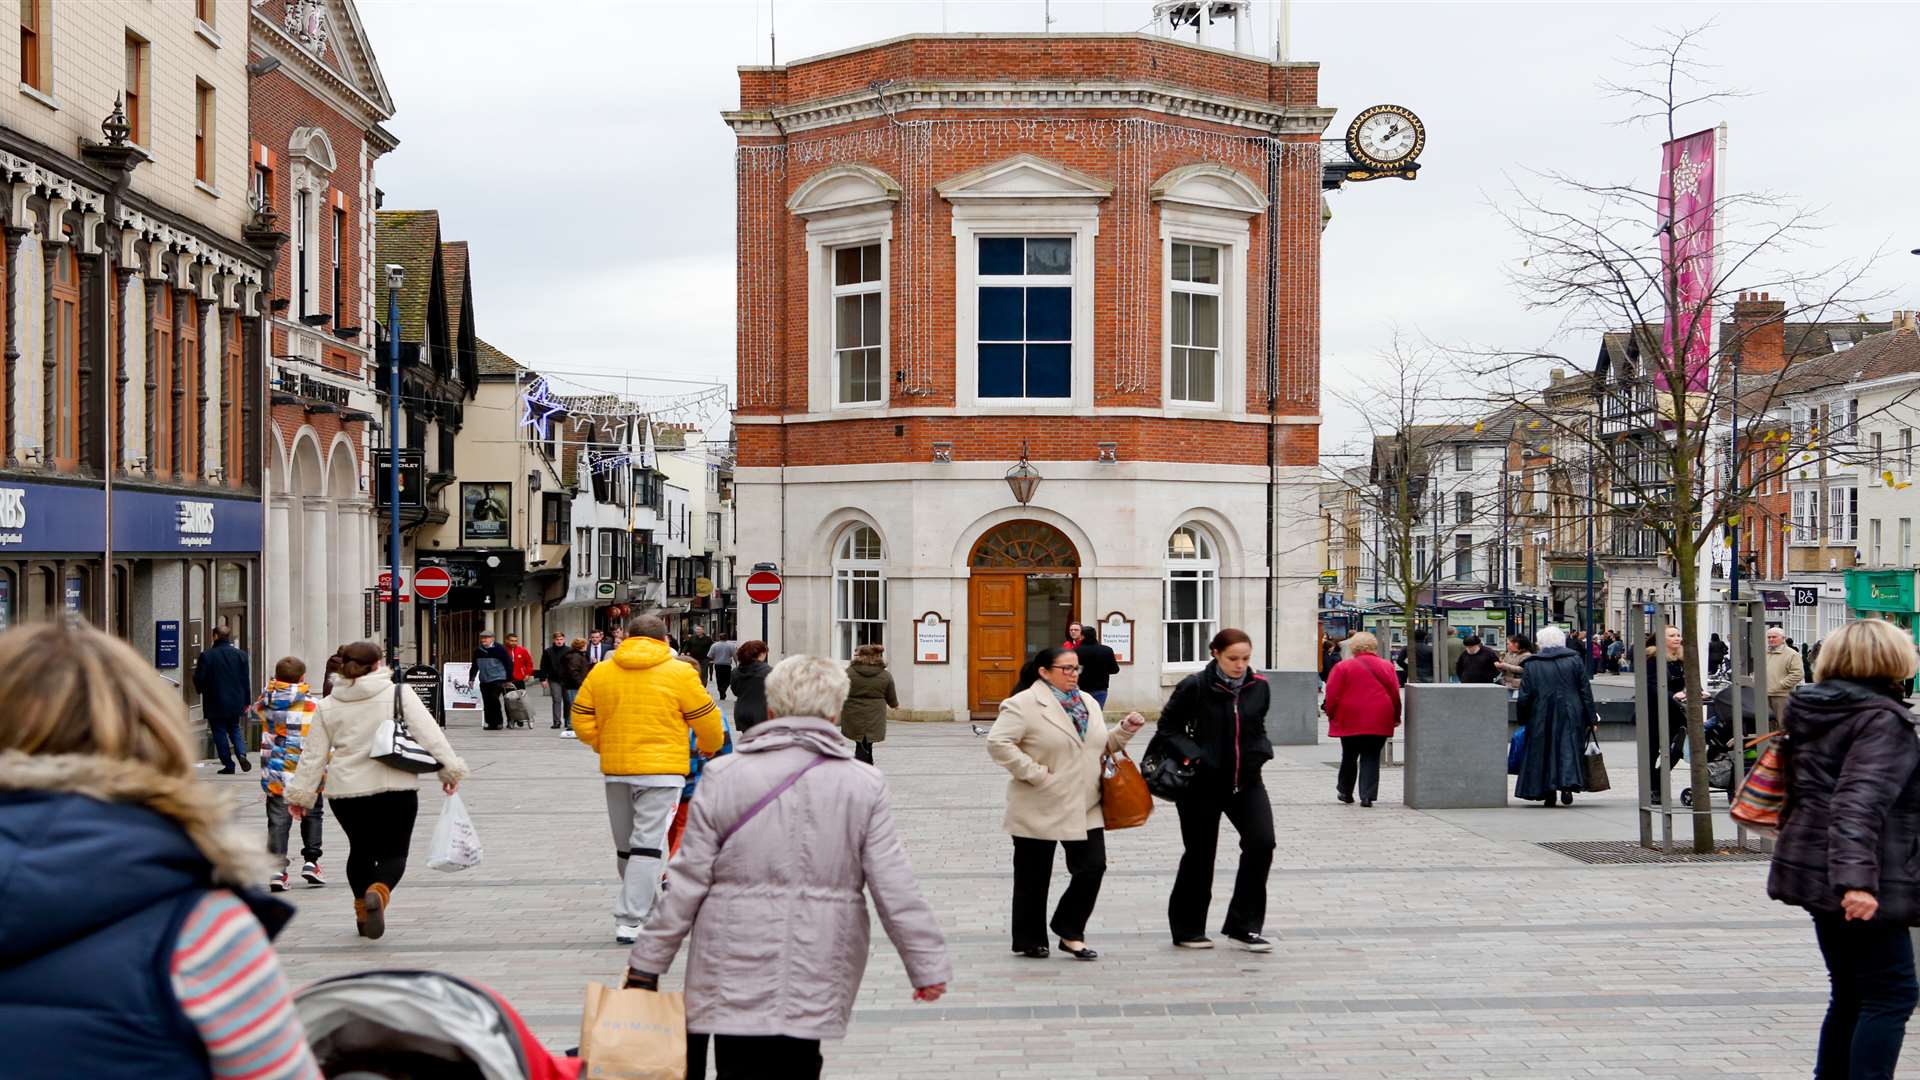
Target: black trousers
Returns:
[[1360, 754], [379, 829], [492, 715], [754, 1057], [1200, 811], [1033, 869], [863, 751], [1870, 969], [722, 677]]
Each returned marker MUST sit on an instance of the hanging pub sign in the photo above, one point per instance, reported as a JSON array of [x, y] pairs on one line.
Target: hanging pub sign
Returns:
[[413, 485], [1116, 633], [485, 511], [930, 639]]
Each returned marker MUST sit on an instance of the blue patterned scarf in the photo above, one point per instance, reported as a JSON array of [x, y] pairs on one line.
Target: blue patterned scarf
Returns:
[[1076, 707]]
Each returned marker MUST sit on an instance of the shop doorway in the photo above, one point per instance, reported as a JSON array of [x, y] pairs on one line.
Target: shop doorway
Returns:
[[1023, 590]]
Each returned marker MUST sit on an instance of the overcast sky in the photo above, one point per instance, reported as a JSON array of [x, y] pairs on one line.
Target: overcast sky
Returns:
[[583, 157]]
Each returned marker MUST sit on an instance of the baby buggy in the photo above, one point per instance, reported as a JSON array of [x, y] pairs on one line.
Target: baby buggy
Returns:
[[421, 1025], [1718, 729]]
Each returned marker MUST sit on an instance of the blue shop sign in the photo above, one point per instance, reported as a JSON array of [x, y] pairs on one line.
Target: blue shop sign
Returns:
[[150, 521], [38, 518], [166, 643]]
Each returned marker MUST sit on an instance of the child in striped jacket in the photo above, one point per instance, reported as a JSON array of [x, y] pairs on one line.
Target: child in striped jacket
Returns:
[[285, 708]]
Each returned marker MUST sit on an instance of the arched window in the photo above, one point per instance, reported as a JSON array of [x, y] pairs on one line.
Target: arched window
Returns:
[[1191, 601], [859, 591]]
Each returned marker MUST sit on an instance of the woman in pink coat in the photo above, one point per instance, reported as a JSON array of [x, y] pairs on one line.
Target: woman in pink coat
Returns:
[[1363, 708]]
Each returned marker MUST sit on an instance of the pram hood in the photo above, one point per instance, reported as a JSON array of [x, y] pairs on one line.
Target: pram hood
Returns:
[[424, 1012]]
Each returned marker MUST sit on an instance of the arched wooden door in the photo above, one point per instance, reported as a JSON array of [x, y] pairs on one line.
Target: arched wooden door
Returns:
[[1024, 589]]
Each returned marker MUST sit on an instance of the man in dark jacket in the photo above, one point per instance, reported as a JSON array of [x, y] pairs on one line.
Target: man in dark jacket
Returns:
[[1416, 661], [1098, 665], [550, 674], [1476, 664], [698, 645], [493, 670], [225, 681]]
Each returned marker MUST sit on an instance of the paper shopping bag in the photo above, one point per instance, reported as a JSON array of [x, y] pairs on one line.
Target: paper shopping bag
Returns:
[[633, 1035]]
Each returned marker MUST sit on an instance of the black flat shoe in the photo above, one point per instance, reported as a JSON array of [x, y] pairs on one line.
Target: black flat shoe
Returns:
[[1082, 953], [1037, 952], [1366, 804], [1345, 798], [1566, 798]]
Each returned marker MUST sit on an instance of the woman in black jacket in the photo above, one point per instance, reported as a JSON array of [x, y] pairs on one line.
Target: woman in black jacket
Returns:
[[1556, 697], [750, 684], [1849, 846], [1671, 696], [1223, 709]]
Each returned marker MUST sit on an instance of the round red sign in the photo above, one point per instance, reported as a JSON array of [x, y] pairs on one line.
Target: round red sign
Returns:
[[763, 587], [432, 583]]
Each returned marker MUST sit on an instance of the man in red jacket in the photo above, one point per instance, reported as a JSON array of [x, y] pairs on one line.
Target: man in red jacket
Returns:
[[522, 661], [1363, 709]]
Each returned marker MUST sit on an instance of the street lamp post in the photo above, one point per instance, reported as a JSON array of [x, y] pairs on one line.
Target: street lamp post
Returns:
[[396, 279], [1593, 508]]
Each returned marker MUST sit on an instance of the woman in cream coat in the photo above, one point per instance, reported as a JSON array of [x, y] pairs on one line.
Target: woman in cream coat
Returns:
[[1051, 736]]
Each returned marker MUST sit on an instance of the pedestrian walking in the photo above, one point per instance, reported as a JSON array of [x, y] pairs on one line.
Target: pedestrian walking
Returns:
[[1616, 652], [870, 694], [1519, 647], [135, 942], [699, 645], [1783, 674], [224, 678], [750, 685], [1330, 655], [1476, 663], [1098, 664], [1848, 833], [1223, 709], [1416, 660], [721, 657], [285, 710], [635, 712], [375, 803], [597, 647], [550, 677], [574, 667], [492, 668], [1450, 656], [1556, 694], [1716, 654], [1051, 736], [1363, 709], [778, 916], [522, 661], [1671, 696]]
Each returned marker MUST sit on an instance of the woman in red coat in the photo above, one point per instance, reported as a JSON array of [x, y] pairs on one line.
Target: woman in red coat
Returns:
[[1363, 708]]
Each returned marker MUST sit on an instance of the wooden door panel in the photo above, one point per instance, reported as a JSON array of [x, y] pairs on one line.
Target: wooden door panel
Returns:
[[995, 639]]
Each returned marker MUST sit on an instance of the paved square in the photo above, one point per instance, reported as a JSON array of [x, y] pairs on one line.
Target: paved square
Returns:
[[1410, 944]]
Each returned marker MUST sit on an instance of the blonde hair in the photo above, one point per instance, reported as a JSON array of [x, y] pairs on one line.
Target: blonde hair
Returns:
[[1363, 642], [807, 686], [66, 688], [1866, 649]]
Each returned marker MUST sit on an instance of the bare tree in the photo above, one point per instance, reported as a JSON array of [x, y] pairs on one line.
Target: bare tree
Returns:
[[1681, 443]]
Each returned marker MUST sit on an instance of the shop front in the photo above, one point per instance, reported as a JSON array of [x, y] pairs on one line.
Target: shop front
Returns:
[[1885, 594]]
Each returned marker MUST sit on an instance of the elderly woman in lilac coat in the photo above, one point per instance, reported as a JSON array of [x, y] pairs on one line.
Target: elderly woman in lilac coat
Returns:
[[785, 838]]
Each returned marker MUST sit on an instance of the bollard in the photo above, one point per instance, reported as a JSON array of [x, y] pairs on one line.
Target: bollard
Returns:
[[1293, 712], [1456, 746]]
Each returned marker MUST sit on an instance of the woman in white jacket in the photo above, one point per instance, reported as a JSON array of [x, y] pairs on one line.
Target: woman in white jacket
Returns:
[[373, 802]]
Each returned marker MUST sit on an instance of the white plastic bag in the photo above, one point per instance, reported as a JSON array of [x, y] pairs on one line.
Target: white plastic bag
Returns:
[[456, 845]]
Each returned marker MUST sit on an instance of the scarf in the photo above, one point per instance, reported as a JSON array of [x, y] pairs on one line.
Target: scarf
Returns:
[[1076, 707]]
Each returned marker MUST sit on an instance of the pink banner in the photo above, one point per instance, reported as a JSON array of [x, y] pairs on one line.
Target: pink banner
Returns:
[[1686, 200]]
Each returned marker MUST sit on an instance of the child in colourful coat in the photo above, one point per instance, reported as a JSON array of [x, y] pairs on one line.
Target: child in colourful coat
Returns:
[[285, 708]]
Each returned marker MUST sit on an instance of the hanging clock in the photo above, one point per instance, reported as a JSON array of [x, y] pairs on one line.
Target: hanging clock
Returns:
[[1386, 140]]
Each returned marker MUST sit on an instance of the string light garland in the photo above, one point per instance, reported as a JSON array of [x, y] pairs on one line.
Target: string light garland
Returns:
[[1138, 145]]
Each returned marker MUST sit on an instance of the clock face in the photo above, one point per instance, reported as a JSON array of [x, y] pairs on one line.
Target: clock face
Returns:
[[1386, 136]]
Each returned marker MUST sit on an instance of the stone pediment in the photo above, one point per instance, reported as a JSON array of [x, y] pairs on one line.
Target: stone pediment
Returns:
[[1210, 186], [843, 187], [1024, 177]]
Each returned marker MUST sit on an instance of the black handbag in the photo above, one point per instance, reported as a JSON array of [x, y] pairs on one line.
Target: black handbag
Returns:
[[1168, 765]]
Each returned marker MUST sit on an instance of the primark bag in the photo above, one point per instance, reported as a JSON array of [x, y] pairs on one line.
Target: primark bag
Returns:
[[394, 745], [633, 1034]]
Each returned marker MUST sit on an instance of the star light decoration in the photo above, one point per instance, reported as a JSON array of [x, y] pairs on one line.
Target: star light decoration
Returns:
[[1687, 173], [541, 407]]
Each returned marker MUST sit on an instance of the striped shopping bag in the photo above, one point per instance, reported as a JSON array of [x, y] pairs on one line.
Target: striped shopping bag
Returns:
[[1763, 794]]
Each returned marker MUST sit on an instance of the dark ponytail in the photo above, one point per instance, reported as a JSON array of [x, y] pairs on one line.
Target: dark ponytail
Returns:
[[1030, 671], [357, 659], [1228, 638]]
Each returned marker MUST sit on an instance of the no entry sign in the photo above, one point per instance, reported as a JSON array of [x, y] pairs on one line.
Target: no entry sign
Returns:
[[432, 583], [763, 587]]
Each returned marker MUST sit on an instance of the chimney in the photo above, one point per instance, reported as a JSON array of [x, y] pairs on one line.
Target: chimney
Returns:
[[1760, 332], [1555, 376], [1906, 320]]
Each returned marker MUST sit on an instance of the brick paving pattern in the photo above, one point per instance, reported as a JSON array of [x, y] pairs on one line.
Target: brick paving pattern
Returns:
[[1409, 944]]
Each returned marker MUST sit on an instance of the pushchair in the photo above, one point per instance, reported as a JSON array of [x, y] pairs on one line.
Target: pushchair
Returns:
[[1717, 726], [421, 1025]]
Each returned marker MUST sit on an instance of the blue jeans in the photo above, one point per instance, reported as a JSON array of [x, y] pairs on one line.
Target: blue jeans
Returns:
[[226, 732], [1870, 967], [1099, 696]]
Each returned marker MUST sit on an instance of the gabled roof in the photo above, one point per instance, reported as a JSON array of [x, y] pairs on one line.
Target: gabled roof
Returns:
[[495, 362], [453, 258], [1882, 356], [412, 239], [329, 35]]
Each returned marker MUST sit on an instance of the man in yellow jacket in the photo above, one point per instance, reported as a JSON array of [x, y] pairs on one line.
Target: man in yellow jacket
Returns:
[[635, 710]]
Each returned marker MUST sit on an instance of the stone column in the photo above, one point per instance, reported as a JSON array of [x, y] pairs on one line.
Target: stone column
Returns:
[[279, 573], [350, 570], [310, 607], [122, 277], [206, 312], [15, 235], [50, 250], [152, 388], [175, 393]]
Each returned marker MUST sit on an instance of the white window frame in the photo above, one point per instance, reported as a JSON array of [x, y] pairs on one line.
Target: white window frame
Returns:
[[876, 287], [826, 233], [848, 568], [1203, 569], [1906, 542], [1216, 289], [1230, 234], [1808, 525], [1873, 543], [972, 222], [1843, 514]]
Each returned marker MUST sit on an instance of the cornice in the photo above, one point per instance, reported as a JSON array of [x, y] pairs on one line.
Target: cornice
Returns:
[[321, 79], [1267, 118], [1051, 37]]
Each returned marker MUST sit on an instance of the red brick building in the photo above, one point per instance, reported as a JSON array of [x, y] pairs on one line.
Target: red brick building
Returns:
[[1101, 250], [316, 104]]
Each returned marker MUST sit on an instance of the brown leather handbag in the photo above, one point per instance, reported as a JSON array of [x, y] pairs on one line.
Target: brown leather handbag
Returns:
[[1124, 799]]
